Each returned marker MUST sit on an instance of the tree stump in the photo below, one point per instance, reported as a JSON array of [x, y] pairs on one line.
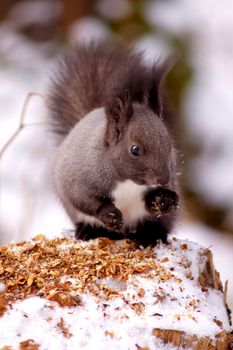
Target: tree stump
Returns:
[[67, 294]]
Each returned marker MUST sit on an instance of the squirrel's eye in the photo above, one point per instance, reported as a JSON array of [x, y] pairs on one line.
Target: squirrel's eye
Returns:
[[135, 150]]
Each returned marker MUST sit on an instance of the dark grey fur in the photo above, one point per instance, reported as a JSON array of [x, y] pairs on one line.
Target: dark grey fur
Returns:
[[102, 100]]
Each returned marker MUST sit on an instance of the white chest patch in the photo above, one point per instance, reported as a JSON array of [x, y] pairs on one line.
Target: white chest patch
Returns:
[[128, 198]]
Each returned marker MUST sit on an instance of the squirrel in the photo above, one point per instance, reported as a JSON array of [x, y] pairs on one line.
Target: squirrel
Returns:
[[115, 166]]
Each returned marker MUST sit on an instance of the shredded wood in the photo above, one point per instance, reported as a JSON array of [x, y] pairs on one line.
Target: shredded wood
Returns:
[[170, 292], [37, 268]]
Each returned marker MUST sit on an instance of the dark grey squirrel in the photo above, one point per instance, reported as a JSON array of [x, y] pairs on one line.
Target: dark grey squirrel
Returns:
[[115, 167]]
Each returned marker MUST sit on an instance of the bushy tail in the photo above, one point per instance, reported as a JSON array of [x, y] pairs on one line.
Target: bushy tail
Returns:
[[90, 75]]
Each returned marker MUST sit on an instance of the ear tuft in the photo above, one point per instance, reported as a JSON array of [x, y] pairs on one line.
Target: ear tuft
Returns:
[[159, 71], [119, 111]]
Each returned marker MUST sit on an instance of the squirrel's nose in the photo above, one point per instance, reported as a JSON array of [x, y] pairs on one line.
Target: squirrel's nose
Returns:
[[159, 177]]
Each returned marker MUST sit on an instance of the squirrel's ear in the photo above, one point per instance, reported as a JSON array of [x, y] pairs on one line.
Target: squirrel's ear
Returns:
[[119, 112], [158, 73]]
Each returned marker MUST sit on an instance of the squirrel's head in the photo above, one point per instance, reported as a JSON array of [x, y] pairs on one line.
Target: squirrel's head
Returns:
[[142, 149], [136, 136]]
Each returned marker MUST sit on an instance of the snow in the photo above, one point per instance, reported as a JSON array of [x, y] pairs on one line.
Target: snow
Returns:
[[86, 333], [113, 323], [220, 244]]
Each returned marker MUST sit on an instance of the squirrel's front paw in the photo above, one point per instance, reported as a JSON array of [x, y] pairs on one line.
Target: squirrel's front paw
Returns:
[[161, 201], [111, 217]]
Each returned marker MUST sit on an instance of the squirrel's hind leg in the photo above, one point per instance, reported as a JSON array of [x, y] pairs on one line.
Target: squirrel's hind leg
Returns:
[[150, 232], [85, 232]]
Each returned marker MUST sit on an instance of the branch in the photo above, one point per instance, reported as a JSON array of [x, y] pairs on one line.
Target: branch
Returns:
[[21, 121]]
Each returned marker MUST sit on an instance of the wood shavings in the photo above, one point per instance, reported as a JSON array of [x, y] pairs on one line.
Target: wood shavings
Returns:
[[28, 345], [112, 287], [3, 305], [36, 267], [64, 329]]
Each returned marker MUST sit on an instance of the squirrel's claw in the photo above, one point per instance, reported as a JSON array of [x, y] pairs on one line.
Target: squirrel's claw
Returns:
[[111, 217]]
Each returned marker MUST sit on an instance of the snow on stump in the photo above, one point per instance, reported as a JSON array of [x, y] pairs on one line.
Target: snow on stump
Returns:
[[67, 294]]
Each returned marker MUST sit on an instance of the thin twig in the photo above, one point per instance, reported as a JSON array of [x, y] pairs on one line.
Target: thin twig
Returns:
[[21, 121]]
